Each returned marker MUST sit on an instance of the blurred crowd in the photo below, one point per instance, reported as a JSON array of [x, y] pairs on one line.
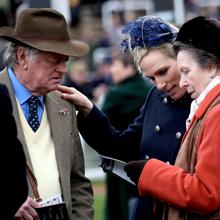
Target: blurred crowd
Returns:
[[91, 75], [94, 75]]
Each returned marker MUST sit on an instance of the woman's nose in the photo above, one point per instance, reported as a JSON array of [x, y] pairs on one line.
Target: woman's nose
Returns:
[[160, 84], [182, 82]]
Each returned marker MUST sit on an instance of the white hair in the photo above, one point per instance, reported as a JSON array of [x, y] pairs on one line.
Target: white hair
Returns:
[[10, 53]]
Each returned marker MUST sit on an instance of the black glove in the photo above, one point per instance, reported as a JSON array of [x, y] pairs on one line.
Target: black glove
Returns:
[[107, 165], [134, 169]]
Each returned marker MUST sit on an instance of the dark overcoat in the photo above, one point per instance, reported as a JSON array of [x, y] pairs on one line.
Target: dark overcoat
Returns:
[[13, 184], [155, 133]]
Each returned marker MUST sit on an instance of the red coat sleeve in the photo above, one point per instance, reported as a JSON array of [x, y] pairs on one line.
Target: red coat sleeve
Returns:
[[199, 192]]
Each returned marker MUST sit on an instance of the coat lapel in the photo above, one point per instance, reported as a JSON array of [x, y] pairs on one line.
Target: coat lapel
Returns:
[[58, 121]]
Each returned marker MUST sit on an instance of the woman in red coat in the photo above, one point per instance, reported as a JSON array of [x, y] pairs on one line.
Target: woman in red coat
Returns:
[[191, 187]]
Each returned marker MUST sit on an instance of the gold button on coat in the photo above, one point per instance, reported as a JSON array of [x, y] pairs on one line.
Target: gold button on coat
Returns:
[[157, 128], [178, 135], [147, 157], [165, 100]]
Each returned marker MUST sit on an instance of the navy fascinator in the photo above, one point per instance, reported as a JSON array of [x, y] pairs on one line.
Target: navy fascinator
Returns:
[[147, 31]]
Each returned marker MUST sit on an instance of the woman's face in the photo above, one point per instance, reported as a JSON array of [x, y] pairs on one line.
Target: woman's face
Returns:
[[162, 70], [194, 78]]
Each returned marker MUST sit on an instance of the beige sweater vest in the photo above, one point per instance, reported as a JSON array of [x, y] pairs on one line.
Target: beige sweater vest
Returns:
[[42, 153]]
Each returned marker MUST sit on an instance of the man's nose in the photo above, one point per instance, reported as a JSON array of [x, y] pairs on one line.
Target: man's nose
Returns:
[[62, 68]]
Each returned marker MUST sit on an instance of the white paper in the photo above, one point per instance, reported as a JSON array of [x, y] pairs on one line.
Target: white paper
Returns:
[[57, 199], [115, 166]]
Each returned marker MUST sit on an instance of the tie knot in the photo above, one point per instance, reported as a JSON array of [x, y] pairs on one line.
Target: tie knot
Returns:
[[33, 99]]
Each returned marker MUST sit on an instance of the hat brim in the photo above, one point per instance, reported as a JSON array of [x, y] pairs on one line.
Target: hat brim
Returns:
[[72, 48]]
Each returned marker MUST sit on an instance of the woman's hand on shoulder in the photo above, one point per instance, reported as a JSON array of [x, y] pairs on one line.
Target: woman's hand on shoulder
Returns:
[[81, 102]]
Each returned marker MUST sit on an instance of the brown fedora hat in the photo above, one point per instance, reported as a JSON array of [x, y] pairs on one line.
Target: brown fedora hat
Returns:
[[44, 29]]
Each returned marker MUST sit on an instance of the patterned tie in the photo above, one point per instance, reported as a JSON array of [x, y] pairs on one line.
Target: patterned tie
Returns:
[[33, 117]]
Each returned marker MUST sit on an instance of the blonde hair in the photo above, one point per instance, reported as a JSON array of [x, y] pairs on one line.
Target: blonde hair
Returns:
[[139, 52]]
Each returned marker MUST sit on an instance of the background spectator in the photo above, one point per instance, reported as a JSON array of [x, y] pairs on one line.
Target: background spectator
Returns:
[[122, 104]]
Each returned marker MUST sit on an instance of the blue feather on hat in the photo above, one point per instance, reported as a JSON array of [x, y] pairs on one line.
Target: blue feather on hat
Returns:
[[147, 31]]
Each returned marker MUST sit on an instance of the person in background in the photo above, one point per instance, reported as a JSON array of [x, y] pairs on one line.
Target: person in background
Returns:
[[36, 57], [75, 6], [101, 79], [191, 187], [13, 185], [121, 104], [78, 77], [158, 130]]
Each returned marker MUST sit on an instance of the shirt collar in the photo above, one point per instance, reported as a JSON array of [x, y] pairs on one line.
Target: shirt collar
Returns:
[[196, 103]]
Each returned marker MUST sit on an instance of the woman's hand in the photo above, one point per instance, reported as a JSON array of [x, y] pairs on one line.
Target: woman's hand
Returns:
[[134, 169], [82, 103]]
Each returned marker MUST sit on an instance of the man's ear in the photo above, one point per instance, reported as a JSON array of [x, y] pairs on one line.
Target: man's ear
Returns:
[[22, 58]]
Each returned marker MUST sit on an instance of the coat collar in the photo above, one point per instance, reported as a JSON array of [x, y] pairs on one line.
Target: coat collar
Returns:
[[185, 100], [211, 96]]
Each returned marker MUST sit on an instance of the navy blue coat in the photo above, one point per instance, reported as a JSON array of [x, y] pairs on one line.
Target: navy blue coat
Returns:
[[155, 133]]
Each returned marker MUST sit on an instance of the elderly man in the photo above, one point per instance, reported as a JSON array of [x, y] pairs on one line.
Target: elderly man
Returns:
[[40, 45]]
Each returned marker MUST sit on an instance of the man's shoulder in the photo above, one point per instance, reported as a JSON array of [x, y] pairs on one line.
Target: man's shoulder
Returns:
[[55, 96]]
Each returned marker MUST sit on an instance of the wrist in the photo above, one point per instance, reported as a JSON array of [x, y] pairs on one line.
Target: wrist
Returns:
[[87, 109]]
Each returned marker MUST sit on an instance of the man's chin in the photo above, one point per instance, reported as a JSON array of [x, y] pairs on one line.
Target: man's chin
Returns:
[[53, 87]]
